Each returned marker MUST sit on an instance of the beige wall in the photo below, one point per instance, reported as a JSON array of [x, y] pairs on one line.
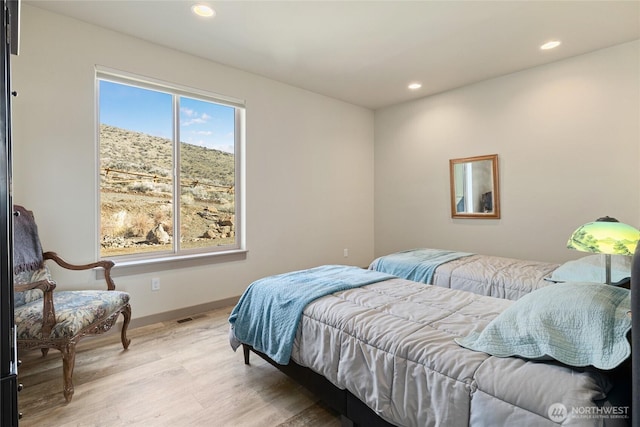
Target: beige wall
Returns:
[[309, 161], [567, 135]]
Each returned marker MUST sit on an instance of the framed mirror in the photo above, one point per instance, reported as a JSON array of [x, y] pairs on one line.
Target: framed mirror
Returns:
[[474, 187]]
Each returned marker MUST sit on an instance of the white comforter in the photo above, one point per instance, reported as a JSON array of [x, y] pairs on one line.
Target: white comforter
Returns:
[[391, 345], [494, 276]]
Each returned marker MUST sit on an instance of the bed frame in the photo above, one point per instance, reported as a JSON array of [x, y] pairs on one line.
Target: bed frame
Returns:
[[353, 412]]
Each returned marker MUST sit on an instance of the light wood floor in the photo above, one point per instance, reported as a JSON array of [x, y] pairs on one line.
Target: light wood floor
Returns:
[[173, 374]]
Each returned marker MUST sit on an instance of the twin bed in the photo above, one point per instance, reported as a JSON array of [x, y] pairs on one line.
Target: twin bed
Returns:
[[385, 350], [493, 276]]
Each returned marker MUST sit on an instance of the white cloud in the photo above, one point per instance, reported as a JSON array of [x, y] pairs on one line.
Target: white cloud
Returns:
[[193, 121], [198, 119], [187, 111]]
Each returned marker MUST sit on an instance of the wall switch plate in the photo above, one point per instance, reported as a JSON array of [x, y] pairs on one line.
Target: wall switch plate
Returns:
[[155, 284], [346, 253]]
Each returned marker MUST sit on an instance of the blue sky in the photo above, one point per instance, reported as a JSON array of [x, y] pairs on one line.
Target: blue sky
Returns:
[[141, 110]]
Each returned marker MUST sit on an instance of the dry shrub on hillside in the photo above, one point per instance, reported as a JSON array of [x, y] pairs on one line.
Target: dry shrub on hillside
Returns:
[[139, 224]]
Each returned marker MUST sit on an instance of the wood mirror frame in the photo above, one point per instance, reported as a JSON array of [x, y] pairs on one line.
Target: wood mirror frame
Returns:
[[476, 179]]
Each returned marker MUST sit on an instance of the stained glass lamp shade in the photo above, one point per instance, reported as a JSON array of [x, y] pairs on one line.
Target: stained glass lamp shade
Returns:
[[605, 236]]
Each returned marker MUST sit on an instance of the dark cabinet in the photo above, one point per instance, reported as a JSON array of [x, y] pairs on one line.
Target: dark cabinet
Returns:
[[8, 355]]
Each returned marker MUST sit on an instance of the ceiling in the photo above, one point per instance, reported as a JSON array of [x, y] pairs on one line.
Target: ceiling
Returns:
[[367, 52]]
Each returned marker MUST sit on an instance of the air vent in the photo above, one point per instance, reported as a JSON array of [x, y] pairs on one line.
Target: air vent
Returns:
[[189, 319]]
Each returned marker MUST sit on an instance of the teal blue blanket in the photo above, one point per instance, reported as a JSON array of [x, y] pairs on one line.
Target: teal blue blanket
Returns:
[[268, 313], [418, 265]]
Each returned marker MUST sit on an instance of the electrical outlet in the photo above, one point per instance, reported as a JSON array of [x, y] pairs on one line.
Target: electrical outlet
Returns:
[[155, 284], [346, 253]]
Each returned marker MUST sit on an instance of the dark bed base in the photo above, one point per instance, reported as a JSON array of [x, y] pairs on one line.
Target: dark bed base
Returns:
[[353, 412]]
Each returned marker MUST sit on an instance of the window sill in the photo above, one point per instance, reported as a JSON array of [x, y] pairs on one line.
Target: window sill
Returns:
[[132, 267]]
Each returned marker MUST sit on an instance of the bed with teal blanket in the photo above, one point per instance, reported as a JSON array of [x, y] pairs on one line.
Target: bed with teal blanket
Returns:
[[418, 355], [267, 315], [499, 277]]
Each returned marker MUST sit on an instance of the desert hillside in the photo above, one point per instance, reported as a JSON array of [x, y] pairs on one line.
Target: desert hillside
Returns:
[[136, 188]]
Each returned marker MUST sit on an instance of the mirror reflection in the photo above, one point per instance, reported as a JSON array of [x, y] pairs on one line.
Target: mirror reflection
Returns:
[[474, 187]]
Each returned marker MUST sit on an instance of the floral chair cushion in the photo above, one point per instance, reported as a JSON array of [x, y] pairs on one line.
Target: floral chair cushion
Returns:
[[22, 298], [75, 310]]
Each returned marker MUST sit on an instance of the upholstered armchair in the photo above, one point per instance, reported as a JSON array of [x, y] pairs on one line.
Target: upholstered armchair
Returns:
[[46, 319]]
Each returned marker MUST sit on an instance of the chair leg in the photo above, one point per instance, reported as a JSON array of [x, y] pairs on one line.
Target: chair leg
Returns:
[[68, 363], [126, 313]]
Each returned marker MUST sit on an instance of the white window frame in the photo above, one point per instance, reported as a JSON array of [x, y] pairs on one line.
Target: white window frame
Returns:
[[132, 263]]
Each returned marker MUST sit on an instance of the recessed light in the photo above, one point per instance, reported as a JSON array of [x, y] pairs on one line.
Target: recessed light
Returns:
[[415, 86], [550, 45], [203, 10]]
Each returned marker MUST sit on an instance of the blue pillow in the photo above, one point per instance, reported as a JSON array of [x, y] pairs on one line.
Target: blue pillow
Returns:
[[578, 324]]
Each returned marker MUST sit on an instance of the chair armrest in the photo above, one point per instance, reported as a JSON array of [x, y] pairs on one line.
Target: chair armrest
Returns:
[[48, 310], [43, 285], [104, 264]]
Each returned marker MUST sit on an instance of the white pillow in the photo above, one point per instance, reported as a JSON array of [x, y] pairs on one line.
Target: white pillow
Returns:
[[592, 269]]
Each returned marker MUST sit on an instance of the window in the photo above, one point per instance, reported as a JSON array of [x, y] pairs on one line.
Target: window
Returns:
[[169, 169]]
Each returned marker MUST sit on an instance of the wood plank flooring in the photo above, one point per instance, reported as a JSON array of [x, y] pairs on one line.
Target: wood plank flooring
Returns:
[[173, 374]]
